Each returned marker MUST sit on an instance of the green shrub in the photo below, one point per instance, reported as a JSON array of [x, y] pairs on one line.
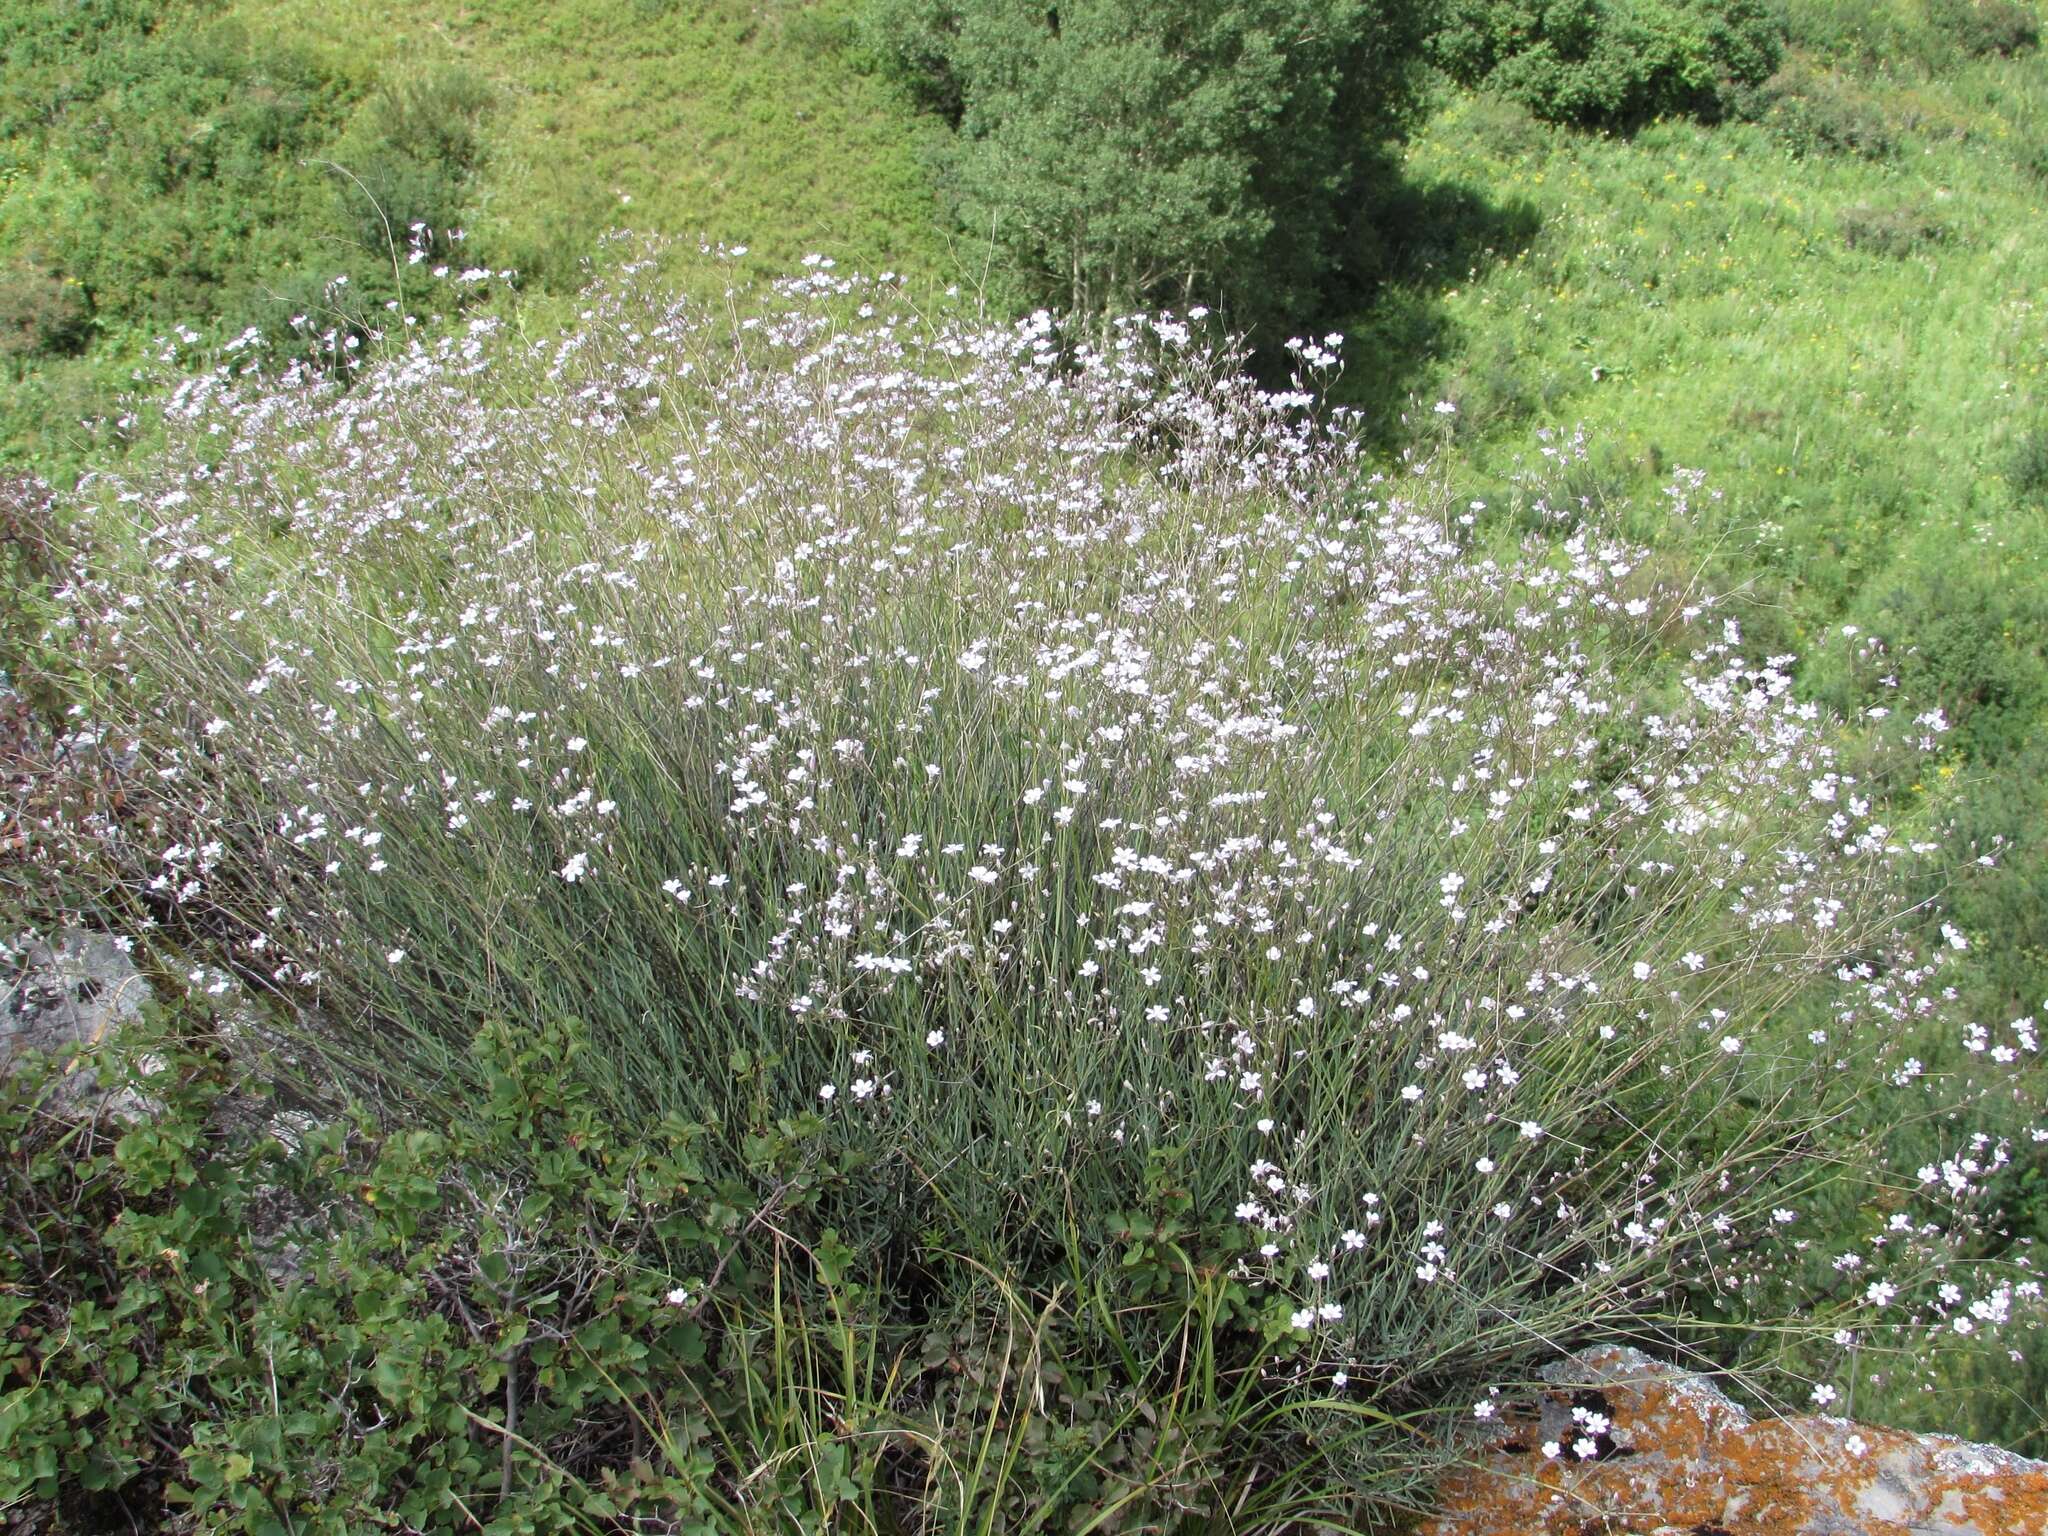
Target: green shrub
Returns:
[[1988, 28], [42, 314], [2026, 468], [1900, 229], [1123, 153], [1820, 112], [1507, 128], [181, 141], [212, 1329], [1611, 62]]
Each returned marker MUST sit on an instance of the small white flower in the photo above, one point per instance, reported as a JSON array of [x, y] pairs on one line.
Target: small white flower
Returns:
[[395, 956], [935, 1038], [677, 1297]]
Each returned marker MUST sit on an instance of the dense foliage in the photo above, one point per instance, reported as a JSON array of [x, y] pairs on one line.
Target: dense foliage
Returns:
[[997, 806], [1115, 153], [1610, 62]]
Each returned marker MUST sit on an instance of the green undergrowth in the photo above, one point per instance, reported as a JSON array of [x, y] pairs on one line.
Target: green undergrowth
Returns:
[[216, 164]]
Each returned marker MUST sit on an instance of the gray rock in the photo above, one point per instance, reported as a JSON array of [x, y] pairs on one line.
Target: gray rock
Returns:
[[69, 998]]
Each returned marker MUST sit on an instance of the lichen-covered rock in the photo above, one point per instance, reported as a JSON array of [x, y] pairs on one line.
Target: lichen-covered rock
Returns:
[[67, 997], [1673, 1456]]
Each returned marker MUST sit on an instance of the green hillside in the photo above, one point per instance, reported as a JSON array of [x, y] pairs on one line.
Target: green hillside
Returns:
[[1834, 311], [215, 163]]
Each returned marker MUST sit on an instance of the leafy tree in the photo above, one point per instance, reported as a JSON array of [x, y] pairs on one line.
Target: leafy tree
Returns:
[[1118, 153]]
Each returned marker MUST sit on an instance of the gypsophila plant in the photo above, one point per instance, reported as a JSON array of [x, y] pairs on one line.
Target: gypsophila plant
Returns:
[[1270, 948]]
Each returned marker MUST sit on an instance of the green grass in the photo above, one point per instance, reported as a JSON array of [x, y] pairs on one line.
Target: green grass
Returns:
[[721, 120], [1852, 346], [717, 122], [1692, 297]]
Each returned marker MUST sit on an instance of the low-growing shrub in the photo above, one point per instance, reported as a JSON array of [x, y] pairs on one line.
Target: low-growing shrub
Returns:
[[1611, 62], [1821, 112], [1901, 229], [2026, 468], [1173, 917], [1988, 28], [42, 313]]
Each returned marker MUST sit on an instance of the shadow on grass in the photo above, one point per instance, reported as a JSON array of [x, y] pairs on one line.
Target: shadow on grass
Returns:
[[1409, 242]]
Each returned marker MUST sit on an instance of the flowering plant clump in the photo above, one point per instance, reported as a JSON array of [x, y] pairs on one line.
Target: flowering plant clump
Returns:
[[1326, 941]]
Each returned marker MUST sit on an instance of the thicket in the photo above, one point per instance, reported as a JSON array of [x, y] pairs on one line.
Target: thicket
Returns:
[[1121, 153], [1122, 965], [1611, 63]]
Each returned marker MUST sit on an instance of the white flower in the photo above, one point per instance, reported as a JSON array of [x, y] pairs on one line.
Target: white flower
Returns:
[[575, 744], [577, 867], [395, 956], [677, 1297], [935, 1038], [828, 1093]]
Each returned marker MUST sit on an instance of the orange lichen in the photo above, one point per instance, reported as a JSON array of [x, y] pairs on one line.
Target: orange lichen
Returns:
[[1681, 1459]]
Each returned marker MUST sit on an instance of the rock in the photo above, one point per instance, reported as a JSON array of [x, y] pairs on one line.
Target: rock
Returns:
[[1679, 1458], [68, 998]]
